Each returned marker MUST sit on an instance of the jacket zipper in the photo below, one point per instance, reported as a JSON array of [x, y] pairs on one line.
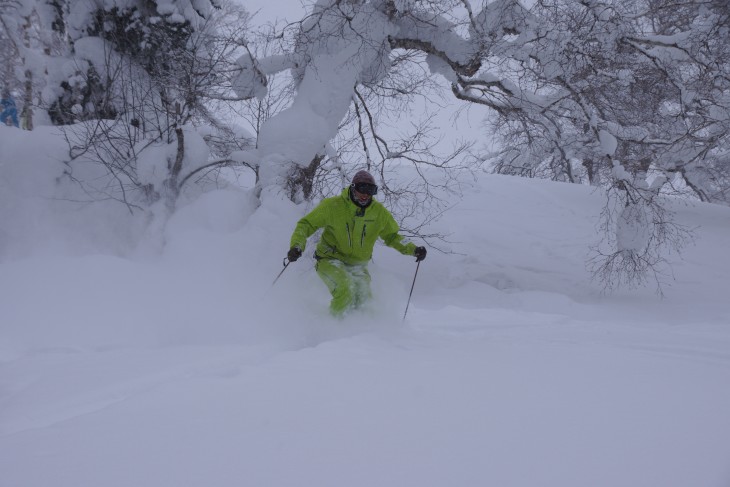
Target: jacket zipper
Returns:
[[362, 237], [349, 238]]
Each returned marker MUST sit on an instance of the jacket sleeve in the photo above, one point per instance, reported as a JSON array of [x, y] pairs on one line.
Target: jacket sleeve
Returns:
[[310, 223], [393, 239]]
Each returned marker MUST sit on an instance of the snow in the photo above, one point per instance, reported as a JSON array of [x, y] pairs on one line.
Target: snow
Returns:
[[185, 367], [608, 142], [633, 229], [154, 160]]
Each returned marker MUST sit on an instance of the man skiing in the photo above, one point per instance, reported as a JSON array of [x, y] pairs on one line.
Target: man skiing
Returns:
[[352, 223]]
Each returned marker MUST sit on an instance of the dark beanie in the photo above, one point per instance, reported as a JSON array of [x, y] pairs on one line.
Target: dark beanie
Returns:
[[363, 177]]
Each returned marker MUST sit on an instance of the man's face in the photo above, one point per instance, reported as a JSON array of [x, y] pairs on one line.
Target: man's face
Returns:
[[362, 198], [363, 192]]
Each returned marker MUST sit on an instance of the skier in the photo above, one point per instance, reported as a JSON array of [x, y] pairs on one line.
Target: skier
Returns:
[[352, 223], [8, 110]]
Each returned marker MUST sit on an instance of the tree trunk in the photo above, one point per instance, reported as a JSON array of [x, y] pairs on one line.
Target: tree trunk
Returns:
[[27, 112], [171, 187], [302, 178], [591, 171]]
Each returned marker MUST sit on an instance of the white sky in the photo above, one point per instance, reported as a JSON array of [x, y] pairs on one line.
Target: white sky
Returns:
[[270, 11]]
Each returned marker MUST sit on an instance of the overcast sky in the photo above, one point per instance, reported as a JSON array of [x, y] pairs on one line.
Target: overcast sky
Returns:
[[270, 11]]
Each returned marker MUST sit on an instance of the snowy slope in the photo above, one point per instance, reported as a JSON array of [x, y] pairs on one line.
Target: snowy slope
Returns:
[[512, 369]]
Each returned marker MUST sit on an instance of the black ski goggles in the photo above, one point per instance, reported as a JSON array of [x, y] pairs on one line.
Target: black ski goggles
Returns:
[[366, 188]]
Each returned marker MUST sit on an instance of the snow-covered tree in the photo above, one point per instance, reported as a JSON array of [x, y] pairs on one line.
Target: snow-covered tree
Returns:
[[339, 55], [144, 96], [368, 134], [152, 36], [635, 96], [31, 34], [632, 96]]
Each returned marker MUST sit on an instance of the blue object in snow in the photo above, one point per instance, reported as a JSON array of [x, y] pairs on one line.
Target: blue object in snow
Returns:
[[9, 111]]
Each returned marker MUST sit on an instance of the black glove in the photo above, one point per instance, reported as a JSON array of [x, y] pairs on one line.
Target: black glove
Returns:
[[420, 253], [294, 253]]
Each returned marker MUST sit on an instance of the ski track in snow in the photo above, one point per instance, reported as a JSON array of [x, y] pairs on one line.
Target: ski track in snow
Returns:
[[104, 387], [522, 357]]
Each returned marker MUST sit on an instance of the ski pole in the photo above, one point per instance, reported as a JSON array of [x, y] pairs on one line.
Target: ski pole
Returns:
[[286, 264], [412, 286]]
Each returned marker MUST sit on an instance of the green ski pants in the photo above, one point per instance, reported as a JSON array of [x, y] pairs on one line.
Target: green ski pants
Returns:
[[348, 284]]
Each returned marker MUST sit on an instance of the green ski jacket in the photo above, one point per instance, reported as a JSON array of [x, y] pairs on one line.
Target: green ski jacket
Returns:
[[350, 231]]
